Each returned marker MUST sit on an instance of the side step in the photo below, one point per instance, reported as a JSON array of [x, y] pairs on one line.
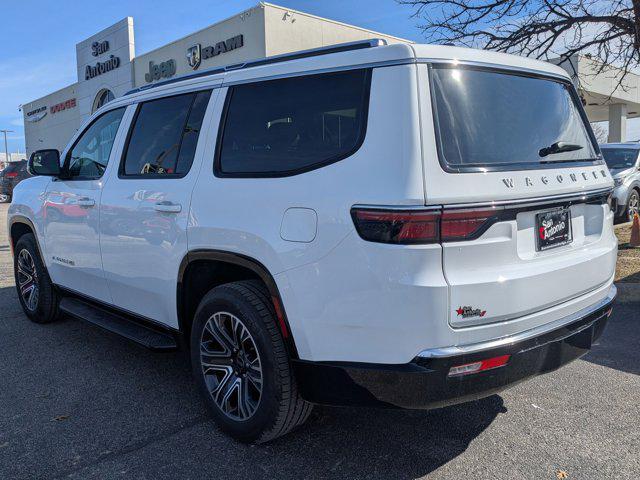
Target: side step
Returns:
[[120, 324]]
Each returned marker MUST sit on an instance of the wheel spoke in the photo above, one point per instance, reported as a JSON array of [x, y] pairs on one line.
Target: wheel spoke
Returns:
[[27, 279], [231, 365]]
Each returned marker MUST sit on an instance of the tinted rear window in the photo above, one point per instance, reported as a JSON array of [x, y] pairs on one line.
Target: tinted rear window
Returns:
[[294, 124], [490, 119]]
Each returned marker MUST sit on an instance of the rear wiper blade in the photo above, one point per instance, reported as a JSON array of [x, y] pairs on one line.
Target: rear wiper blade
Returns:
[[559, 147]]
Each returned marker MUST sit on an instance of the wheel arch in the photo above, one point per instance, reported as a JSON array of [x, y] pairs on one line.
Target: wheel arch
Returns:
[[20, 225], [233, 264]]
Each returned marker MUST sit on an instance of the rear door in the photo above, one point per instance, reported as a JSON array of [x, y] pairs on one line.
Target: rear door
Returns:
[[525, 224], [144, 212]]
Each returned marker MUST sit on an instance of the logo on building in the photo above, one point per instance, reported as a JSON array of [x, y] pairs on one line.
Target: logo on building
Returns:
[[66, 105], [163, 70], [36, 115], [98, 48], [197, 53], [193, 56]]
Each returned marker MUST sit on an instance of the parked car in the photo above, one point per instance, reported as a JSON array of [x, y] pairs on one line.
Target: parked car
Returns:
[[624, 165], [10, 176], [402, 226]]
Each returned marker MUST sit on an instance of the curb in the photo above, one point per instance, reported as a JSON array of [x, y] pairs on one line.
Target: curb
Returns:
[[628, 292]]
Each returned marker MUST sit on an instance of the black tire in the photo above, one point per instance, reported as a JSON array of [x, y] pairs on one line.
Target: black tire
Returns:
[[280, 407], [633, 204], [45, 307]]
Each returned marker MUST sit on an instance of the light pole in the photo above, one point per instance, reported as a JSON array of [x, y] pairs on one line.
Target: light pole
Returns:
[[6, 149]]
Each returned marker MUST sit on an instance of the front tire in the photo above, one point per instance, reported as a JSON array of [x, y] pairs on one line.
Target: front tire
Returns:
[[241, 365], [36, 292]]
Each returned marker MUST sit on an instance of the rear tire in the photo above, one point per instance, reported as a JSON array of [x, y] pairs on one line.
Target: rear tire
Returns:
[[36, 292], [241, 365]]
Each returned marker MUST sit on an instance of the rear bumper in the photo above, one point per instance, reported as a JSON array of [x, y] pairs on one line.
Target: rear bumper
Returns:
[[424, 382]]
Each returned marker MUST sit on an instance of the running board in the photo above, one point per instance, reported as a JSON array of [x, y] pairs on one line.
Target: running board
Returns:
[[119, 324]]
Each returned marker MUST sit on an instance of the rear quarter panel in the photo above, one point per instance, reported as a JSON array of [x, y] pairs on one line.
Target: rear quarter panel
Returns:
[[245, 215]]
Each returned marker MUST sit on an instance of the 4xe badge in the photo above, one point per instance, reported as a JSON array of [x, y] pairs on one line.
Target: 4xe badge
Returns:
[[466, 312]]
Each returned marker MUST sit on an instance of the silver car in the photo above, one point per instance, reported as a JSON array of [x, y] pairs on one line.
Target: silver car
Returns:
[[622, 160]]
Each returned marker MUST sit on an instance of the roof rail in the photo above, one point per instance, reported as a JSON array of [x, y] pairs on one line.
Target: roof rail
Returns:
[[314, 52]]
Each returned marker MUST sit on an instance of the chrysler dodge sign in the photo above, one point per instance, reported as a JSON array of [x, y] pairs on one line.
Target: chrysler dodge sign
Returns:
[[36, 115], [197, 52]]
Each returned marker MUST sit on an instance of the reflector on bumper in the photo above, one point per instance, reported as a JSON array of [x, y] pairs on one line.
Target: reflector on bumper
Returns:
[[480, 366]]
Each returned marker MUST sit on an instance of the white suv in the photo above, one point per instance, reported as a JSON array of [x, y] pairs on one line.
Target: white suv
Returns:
[[403, 226]]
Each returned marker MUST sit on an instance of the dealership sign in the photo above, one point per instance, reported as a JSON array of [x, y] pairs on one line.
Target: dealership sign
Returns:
[[163, 70], [197, 53], [66, 105], [98, 48], [36, 115]]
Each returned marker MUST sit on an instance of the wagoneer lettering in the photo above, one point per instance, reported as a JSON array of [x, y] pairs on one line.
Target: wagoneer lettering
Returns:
[[297, 226]]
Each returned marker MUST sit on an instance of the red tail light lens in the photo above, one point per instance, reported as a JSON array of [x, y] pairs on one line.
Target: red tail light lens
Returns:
[[397, 226], [481, 366], [11, 175], [465, 224]]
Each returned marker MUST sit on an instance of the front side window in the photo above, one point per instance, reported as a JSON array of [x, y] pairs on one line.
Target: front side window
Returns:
[[291, 125], [164, 135], [620, 158], [89, 156], [487, 119]]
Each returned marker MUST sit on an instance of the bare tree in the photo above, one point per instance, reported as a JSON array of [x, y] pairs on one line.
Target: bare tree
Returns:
[[600, 132], [606, 30]]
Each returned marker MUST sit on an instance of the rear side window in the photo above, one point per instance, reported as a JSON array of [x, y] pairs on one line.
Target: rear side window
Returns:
[[288, 126], [164, 136]]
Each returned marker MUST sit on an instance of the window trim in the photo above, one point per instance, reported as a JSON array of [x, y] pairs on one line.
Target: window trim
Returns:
[[121, 172], [512, 166], [67, 158], [365, 100]]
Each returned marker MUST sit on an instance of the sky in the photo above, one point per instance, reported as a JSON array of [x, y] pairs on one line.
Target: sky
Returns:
[[38, 37]]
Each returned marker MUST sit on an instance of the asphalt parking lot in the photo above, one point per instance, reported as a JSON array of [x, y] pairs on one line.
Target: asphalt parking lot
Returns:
[[76, 402]]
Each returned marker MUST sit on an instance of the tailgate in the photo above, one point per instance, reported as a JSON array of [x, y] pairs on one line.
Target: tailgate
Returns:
[[505, 274]]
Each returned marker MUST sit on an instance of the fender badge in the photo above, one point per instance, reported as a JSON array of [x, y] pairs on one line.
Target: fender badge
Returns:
[[466, 312]]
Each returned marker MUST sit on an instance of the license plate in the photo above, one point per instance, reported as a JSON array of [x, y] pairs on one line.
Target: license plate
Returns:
[[553, 228]]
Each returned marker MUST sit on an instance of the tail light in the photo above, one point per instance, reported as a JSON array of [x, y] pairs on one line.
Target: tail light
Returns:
[[465, 224], [11, 175], [397, 226], [421, 226]]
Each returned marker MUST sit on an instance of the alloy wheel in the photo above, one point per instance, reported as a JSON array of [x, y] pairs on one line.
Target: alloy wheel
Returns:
[[28, 279], [231, 366], [634, 205]]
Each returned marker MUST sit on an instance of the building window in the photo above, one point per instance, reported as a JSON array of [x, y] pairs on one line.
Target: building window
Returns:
[[292, 125], [104, 96]]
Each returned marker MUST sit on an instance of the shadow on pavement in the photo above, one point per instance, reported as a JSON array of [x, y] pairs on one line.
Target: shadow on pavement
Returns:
[[79, 401], [618, 346]]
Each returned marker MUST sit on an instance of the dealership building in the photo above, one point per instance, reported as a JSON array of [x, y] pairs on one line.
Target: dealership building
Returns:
[[108, 67]]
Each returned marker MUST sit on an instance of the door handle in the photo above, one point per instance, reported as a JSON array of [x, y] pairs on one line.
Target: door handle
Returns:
[[86, 202], [167, 207]]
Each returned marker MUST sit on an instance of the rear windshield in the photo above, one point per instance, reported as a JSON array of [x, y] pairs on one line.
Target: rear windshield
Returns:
[[491, 120], [620, 158]]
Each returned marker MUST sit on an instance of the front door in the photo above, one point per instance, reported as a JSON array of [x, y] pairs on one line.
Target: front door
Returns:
[[70, 210], [144, 211]]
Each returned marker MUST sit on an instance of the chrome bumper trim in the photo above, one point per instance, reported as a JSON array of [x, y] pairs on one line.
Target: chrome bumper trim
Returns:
[[518, 337]]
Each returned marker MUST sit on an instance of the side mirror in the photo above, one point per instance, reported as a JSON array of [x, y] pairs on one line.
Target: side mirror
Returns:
[[45, 162]]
